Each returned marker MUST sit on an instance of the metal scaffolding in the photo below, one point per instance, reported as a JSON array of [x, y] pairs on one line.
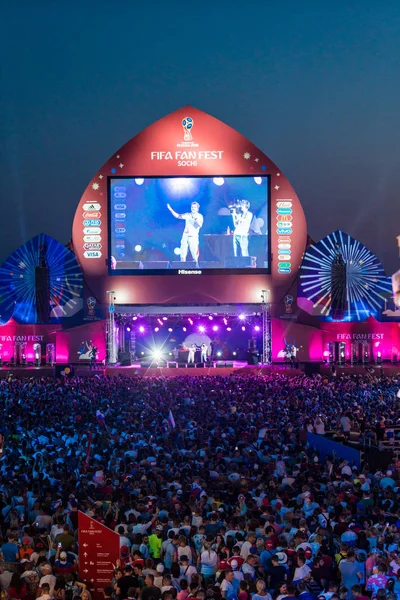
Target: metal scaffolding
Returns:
[[111, 342], [266, 328]]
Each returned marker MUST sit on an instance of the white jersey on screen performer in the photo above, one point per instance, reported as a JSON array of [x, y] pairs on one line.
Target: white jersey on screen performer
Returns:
[[190, 237], [242, 221]]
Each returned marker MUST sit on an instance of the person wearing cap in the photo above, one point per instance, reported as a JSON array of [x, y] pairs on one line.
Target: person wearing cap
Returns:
[[47, 577], [266, 555], [155, 542]]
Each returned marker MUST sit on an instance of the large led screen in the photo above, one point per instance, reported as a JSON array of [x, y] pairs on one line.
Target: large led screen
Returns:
[[188, 224]]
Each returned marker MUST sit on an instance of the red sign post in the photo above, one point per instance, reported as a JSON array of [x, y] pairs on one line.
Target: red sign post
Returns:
[[98, 553]]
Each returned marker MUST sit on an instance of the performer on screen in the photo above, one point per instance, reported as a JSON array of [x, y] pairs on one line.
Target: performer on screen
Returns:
[[204, 350], [192, 352], [242, 219], [190, 237]]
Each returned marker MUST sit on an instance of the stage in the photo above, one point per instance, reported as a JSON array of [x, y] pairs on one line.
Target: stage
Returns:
[[234, 368]]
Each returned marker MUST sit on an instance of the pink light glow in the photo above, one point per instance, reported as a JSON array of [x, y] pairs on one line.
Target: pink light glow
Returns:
[[326, 353], [190, 321], [202, 328], [170, 329], [141, 329], [225, 321], [243, 328], [165, 318], [156, 329], [210, 317], [229, 328], [215, 328], [257, 328], [184, 329]]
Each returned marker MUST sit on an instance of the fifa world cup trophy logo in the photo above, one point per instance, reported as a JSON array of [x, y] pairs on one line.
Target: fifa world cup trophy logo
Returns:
[[187, 124], [288, 300], [91, 304]]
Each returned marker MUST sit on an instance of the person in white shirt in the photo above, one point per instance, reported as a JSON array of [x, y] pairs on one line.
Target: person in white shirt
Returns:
[[45, 595], [227, 587], [242, 219], [190, 237], [204, 351], [245, 549], [301, 570]]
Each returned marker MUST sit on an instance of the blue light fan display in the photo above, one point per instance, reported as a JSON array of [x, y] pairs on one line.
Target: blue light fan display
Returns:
[[367, 285], [18, 283]]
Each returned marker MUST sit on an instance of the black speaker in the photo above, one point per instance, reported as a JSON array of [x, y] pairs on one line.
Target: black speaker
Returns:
[[190, 264], [220, 365], [130, 264], [338, 286], [162, 363], [239, 262], [147, 365], [200, 365], [42, 284], [182, 365], [172, 365], [156, 264], [125, 359], [190, 366], [311, 368], [229, 365]]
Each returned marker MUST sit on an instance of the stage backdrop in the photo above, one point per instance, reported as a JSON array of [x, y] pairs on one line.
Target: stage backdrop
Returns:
[[187, 143]]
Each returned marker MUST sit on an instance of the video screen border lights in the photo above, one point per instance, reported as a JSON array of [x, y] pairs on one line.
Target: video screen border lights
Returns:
[[190, 270]]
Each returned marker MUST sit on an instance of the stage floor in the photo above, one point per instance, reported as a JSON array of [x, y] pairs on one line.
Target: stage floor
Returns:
[[237, 368]]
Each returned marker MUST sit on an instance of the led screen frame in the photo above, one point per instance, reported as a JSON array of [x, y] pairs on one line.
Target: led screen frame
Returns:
[[189, 270]]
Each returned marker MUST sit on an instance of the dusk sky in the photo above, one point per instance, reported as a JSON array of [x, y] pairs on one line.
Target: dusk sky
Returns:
[[316, 85]]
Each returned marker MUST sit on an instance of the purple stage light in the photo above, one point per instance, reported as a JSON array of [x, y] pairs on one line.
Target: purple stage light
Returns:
[[156, 329], [243, 328], [128, 328], [242, 317], [211, 318], [170, 329], [229, 328], [257, 328], [184, 328], [215, 328], [141, 329], [202, 328]]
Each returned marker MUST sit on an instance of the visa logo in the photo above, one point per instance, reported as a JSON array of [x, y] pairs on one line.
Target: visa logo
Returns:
[[91, 223], [282, 230], [120, 206], [119, 195], [92, 254]]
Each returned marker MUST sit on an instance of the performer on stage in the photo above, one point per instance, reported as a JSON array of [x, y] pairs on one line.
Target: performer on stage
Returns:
[[204, 350], [242, 219], [192, 352], [190, 237]]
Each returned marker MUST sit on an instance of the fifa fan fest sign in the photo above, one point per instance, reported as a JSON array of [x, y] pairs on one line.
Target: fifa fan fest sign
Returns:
[[249, 228], [98, 554]]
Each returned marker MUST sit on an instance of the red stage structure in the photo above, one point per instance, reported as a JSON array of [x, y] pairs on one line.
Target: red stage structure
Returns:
[[89, 292]]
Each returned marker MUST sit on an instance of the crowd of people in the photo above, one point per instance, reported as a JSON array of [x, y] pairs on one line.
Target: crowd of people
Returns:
[[208, 481]]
